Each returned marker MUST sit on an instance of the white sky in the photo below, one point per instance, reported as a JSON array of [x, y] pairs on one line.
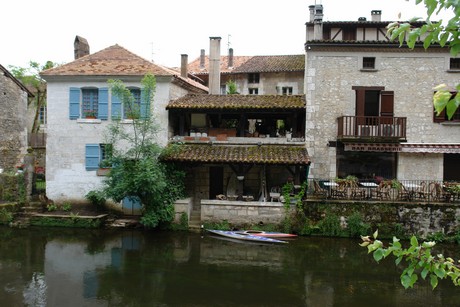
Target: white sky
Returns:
[[163, 30]]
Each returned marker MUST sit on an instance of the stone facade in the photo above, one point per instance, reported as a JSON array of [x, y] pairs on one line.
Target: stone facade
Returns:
[[13, 121], [411, 75], [270, 83]]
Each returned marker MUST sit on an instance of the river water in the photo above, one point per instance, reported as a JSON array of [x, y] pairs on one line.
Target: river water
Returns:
[[76, 267]]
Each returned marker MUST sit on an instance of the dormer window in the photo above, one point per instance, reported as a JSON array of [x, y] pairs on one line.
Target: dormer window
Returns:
[[253, 78], [368, 63]]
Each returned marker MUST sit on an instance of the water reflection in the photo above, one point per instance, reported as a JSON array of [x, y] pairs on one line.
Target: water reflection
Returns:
[[56, 267]]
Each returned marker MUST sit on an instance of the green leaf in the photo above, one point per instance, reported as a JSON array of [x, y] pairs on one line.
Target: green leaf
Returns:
[[424, 273], [413, 241], [439, 272], [378, 254], [433, 281], [398, 260], [405, 281], [376, 233]]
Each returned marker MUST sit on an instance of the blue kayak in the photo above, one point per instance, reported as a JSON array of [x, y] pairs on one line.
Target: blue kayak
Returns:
[[244, 236]]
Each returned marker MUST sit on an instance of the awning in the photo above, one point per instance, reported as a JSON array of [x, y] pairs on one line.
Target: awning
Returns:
[[403, 147]]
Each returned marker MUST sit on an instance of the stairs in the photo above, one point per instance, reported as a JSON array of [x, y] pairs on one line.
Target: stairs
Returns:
[[194, 223], [22, 217]]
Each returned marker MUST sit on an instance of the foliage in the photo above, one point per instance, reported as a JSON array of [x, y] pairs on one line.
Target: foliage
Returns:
[[71, 221], [232, 89], [30, 77], [183, 223], [5, 216], [223, 225], [419, 259], [356, 225], [330, 225], [67, 207], [444, 33], [96, 198], [137, 170], [51, 207]]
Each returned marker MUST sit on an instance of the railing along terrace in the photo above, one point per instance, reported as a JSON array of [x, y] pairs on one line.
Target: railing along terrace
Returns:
[[361, 127], [429, 191]]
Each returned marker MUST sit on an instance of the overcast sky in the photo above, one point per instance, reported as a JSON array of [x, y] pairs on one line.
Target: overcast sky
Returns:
[[163, 30]]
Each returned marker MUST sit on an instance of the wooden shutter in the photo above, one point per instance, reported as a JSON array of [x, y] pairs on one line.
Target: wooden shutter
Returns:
[[387, 103], [359, 106], [103, 104], [92, 156], [116, 107], [74, 103]]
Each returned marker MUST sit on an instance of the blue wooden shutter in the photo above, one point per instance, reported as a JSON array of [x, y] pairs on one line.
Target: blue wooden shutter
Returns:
[[103, 103], [74, 103], [144, 105], [116, 107], [92, 156]]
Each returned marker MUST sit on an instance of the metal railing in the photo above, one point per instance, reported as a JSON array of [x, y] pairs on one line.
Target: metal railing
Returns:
[[429, 191]]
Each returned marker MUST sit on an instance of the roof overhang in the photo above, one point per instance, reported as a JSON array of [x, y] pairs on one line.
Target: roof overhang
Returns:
[[404, 147], [237, 154]]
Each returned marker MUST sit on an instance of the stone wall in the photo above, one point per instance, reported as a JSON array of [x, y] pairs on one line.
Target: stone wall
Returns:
[[413, 218], [241, 212], [13, 123]]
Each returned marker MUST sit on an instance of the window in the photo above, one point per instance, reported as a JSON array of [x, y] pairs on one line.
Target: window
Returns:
[[253, 91], [88, 102], [368, 63], [454, 63], [286, 90], [443, 116], [253, 78], [42, 115], [97, 155], [136, 109]]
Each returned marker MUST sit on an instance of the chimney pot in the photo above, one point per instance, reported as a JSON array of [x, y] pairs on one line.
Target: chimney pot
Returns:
[[376, 15], [183, 65], [80, 46], [230, 57], [202, 56]]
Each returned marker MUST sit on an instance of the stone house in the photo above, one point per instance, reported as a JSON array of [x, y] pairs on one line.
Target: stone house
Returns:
[[369, 106], [239, 150], [75, 142], [254, 75], [14, 120]]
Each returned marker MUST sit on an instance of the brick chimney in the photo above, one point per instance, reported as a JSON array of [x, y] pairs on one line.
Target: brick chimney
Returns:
[[214, 66], [230, 57], [183, 65], [81, 47], [376, 15], [202, 59]]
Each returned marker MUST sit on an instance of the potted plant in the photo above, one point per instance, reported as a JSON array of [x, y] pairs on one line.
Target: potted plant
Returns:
[[90, 114]]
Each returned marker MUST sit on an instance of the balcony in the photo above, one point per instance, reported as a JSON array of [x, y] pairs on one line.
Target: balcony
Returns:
[[371, 128]]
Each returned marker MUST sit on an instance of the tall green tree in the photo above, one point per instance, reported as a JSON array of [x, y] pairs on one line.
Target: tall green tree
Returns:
[[30, 77], [137, 171], [446, 33]]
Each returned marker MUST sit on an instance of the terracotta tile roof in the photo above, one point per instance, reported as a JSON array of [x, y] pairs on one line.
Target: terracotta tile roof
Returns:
[[194, 67], [197, 101], [264, 154], [114, 60], [273, 63]]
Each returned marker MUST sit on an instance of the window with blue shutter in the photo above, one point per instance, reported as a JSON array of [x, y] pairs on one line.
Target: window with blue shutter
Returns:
[[92, 156], [74, 103], [103, 104], [116, 107]]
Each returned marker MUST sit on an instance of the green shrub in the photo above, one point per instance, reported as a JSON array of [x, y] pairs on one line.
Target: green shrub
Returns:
[[96, 198], [67, 207], [330, 225], [5, 216], [356, 226]]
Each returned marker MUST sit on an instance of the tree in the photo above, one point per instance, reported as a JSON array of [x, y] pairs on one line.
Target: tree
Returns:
[[419, 259], [137, 171], [442, 33], [30, 77]]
